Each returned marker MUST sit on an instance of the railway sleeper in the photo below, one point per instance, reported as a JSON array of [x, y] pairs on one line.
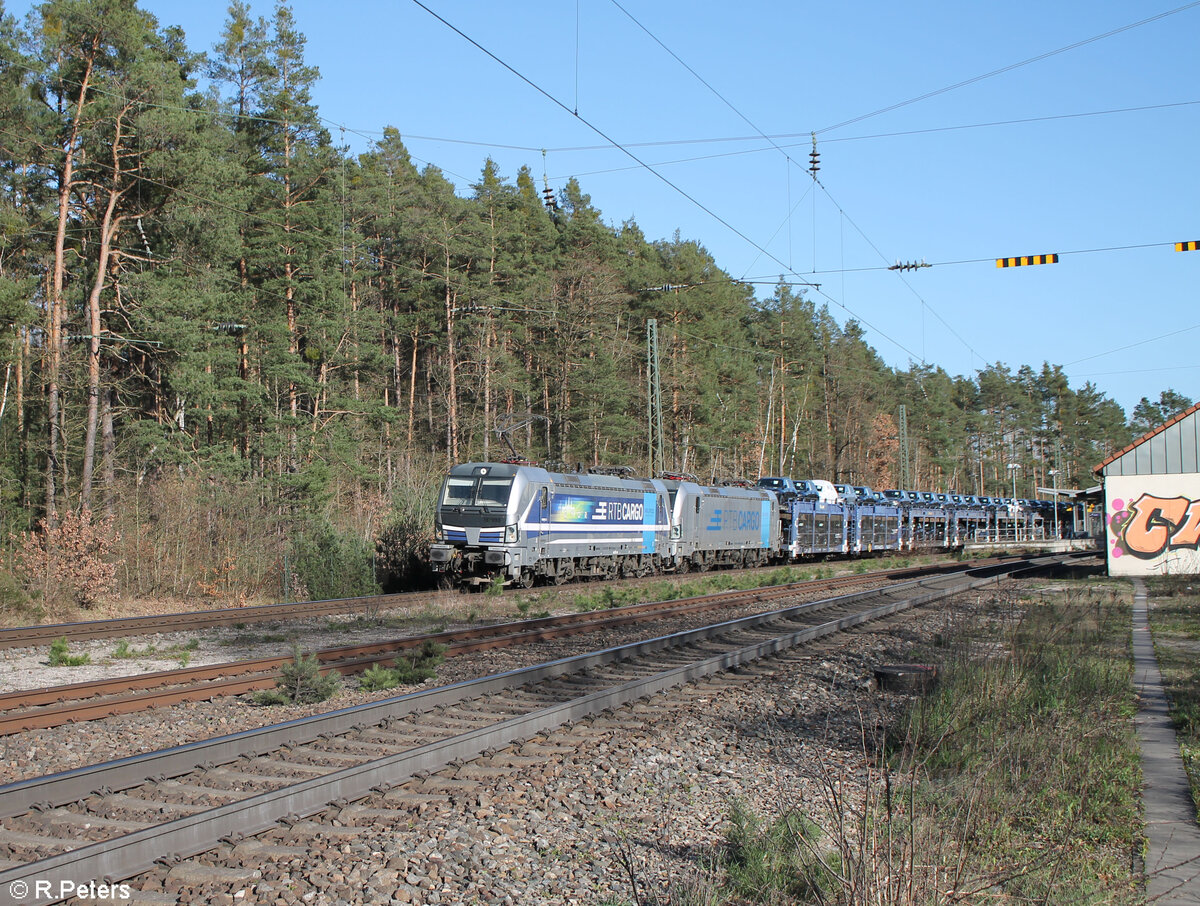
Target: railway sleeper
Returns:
[[240, 780], [458, 723], [299, 770], [481, 772], [329, 831], [25, 843], [198, 874], [364, 816], [85, 821], [365, 748], [256, 850], [395, 738], [211, 796], [413, 800], [436, 784], [306, 755], [116, 804]]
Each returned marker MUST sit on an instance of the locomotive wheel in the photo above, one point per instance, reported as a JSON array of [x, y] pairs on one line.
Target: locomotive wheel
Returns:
[[564, 571], [526, 578], [682, 565]]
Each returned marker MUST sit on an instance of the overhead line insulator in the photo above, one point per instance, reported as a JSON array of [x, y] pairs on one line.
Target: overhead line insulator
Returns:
[[909, 265]]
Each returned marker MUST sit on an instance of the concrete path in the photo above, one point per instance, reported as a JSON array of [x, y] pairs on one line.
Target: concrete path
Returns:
[[1173, 849]]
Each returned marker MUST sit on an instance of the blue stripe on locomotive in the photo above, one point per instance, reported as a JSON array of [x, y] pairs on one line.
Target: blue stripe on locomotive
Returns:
[[603, 512], [609, 513], [650, 520]]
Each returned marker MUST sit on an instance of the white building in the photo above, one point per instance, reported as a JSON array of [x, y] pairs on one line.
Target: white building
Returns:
[[1152, 501]]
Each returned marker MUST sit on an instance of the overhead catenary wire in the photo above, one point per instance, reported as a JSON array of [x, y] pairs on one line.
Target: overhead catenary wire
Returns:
[[661, 177], [700, 79], [1108, 352], [371, 134], [828, 141], [814, 166], [618, 145], [756, 280], [814, 156], [368, 134], [1003, 69]]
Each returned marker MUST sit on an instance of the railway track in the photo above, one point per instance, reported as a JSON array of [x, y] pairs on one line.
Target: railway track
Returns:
[[112, 821], [54, 706], [191, 621]]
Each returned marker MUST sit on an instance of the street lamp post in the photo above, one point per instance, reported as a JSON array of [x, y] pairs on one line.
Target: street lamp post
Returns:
[[1012, 470], [1054, 475]]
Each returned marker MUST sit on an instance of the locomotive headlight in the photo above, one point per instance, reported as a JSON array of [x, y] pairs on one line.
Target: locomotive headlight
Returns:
[[439, 533], [510, 534]]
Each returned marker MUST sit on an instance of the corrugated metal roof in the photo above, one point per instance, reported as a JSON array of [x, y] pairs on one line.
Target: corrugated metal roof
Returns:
[[1170, 449]]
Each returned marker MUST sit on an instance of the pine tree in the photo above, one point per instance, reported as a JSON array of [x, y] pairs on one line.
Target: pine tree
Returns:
[[293, 259]]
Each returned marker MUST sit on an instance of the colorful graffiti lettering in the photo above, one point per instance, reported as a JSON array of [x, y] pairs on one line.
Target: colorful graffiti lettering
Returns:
[[1150, 526]]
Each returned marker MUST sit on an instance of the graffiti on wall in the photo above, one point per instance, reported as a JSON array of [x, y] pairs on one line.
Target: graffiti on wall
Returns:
[[1151, 526]]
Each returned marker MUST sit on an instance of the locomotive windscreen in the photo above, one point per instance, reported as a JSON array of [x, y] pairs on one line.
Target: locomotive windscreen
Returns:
[[477, 490]]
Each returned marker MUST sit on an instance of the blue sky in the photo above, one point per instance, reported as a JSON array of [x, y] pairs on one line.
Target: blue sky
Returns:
[[1005, 130]]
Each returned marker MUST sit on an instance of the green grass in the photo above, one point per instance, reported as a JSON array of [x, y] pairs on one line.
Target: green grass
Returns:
[[767, 861], [182, 652], [60, 655], [1015, 780], [1023, 765], [667, 590], [609, 597]]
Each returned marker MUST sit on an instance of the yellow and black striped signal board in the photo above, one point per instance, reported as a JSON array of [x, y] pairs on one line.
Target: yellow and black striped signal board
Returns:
[[1187, 246], [1027, 259]]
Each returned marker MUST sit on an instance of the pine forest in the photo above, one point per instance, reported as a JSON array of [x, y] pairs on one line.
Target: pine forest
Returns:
[[238, 359]]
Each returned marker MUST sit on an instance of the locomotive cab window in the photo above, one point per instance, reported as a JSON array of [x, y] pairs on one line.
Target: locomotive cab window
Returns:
[[476, 491]]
